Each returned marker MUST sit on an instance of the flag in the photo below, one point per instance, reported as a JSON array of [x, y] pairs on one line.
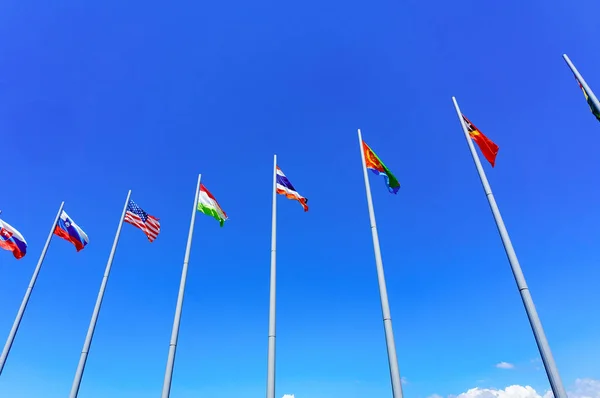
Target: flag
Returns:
[[487, 146], [373, 162], [12, 240], [208, 205], [69, 231], [591, 104], [285, 187], [142, 220]]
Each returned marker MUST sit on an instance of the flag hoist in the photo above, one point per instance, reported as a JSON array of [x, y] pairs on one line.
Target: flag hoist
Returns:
[[206, 203], [134, 215], [489, 150], [589, 95], [371, 160], [281, 186], [65, 228]]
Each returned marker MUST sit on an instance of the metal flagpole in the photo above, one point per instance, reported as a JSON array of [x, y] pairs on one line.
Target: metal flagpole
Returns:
[[90, 334], [536, 325], [272, 296], [385, 305], [15, 327], [175, 332], [582, 81]]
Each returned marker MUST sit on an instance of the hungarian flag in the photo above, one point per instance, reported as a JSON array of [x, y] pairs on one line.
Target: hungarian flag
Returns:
[[208, 205], [487, 146], [591, 104], [373, 162]]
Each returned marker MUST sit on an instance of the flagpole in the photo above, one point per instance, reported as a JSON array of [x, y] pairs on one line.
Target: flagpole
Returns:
[[534, 320], [582, 81], [15, 327], [385, 306], [90, 333], [272, 290], [175, 331]]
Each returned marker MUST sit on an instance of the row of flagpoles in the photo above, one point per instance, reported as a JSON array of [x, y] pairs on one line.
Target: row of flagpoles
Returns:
[[64, 227]]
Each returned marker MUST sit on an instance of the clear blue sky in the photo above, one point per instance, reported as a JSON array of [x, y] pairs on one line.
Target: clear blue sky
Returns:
[[100, 97]]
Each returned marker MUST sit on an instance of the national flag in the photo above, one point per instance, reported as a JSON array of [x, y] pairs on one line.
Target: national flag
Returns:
[[285, 187], [142, 220], [208, 205], [69, 231], [373, 162], [488, 148], [12, 240], [591, 104]]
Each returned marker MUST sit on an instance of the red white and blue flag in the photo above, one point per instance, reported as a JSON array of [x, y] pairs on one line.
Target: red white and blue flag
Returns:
[[285, 187], [71, 232], [12, 240], [142, 220]]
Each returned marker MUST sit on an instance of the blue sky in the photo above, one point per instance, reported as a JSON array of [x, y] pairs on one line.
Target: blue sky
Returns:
[[100, 97]]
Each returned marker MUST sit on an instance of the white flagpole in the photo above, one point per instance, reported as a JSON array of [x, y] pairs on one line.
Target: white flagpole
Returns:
[[90, 333], [15, 327], [175, 331], [385, 306], [272, 296], [534, 320], [582, 81]]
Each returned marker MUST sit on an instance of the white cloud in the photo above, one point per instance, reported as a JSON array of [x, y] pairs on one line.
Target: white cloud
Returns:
[[508, 392], [583, 388], [288, 396], [505, 365], [435, 396]]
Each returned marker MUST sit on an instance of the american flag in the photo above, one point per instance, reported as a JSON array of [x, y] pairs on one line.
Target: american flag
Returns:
[[142, 220]]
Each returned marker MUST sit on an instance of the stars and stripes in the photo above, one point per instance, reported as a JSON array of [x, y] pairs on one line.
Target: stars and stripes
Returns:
[[142, 220]]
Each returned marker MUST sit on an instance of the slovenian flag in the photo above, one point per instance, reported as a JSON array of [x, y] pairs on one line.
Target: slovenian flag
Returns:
[[285, 187], [69, 231], [12, 240]]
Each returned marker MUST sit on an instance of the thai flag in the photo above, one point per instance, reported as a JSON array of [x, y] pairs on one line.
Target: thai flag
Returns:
[[12, 240], [285, 187], [69, 231]]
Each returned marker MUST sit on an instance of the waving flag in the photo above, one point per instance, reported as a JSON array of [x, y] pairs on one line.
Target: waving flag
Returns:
[[285, 187], [208, 205], [12, 240], [142, 220], [488, 148], [69, 231], [376, 165]]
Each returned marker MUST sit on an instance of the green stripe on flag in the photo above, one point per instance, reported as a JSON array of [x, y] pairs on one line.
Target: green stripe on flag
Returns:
[[210, 211]]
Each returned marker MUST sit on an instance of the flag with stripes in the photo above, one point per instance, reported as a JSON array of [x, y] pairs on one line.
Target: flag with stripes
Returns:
[[142, 220], [285, 187]]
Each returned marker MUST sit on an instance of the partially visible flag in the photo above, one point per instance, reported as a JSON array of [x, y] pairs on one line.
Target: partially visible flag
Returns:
[[142, 220], [208, 205], [285, 187], [12, 240], [71, 232], [591, 104], [373, 162], [488, 148]]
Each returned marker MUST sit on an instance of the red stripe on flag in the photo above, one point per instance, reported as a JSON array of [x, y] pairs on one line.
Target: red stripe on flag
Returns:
[[151, 227]]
